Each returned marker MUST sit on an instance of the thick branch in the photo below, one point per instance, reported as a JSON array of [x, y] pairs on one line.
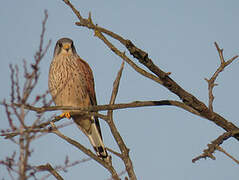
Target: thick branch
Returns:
[[89, 24], [185, 96], [111, 107], [163, 77], [91, 110]]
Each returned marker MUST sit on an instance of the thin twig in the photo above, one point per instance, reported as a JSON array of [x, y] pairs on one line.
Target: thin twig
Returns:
[[116, 85], [227, 154], [114, 152], [119, 140], [211, 81], [67, 164], [32, 78], [50, 169]]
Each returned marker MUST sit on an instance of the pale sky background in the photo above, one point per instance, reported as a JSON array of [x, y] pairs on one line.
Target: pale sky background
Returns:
[[179, 37]]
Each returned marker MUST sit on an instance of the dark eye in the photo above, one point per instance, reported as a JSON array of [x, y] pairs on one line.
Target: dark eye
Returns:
[[60, 45]]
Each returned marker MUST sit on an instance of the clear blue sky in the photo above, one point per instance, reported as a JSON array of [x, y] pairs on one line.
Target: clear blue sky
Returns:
[[179, 37]]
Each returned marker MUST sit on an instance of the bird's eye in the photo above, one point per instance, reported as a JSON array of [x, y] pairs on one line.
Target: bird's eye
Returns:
[[60, 44]]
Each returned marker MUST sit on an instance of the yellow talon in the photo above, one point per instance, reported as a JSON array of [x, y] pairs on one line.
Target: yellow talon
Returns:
[[67, 115]]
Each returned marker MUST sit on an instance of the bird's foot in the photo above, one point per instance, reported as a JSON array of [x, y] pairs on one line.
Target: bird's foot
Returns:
[[66, 114]]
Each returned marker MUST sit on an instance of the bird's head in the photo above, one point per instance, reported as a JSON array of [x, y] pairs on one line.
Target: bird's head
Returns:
[[64, 46]]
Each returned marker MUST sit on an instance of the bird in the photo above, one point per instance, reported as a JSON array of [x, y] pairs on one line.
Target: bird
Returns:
[[71, 83]]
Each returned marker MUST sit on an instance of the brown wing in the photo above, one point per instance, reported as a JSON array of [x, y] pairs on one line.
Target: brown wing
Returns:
[[87, 72]]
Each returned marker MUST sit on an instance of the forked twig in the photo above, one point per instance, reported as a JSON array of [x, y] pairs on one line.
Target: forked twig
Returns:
[[211, 81], [208, 153]]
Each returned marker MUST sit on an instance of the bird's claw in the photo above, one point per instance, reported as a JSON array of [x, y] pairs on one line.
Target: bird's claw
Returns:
[[67, 115]]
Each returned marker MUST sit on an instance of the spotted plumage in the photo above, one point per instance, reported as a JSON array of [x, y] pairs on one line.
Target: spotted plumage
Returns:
[[71, 83]]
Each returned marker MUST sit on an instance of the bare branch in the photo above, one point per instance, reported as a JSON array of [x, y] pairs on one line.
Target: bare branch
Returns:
[[119, 174], [32, 78], [162, 77], [67, 164], [227, 154], [215, 144], [116, 85], [91, 110], [114, 152], [8, 113], [98, 32], [108, 166], [124, 150], [211, 81], [20, 95], [12, 84], [50, 169], [10, 164], [126, 58], [111, 107]]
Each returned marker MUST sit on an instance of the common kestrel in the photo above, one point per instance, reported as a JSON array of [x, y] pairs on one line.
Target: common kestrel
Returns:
[[71, 83]]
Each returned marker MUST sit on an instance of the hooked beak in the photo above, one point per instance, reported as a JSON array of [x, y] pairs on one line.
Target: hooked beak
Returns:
[[66, 46]]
